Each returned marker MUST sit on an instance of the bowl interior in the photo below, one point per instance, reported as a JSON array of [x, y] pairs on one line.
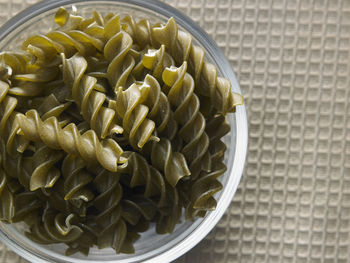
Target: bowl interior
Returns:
[[151, 246]]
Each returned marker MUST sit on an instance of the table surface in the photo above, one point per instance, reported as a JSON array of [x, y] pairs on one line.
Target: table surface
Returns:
[[292, 60]]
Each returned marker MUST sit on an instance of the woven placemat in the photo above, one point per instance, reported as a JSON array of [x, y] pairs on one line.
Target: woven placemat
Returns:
[[292, 61]]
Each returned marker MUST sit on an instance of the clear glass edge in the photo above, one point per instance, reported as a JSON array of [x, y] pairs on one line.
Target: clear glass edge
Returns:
[[241, 119]]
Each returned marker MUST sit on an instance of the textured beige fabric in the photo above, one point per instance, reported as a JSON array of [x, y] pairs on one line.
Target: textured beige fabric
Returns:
[[293, 63]]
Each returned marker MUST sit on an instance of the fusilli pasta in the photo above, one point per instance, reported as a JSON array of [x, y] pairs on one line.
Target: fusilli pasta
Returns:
[[109, 125]]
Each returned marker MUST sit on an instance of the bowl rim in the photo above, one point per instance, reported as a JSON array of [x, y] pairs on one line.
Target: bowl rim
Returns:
[[241, 131]]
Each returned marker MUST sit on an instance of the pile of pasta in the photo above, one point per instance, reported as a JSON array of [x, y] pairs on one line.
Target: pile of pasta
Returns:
[[108, 125]]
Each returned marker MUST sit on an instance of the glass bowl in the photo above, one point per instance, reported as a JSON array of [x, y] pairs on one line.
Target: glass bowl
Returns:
[[150, 247]]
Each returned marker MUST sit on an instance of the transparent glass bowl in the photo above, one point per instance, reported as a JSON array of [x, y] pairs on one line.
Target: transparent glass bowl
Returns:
[[150, 247]]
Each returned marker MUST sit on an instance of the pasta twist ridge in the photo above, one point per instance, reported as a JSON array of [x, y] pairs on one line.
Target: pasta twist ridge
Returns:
[[172, 164], [168, 217], [185, 102], [140, 31], [157, 60], [208, 84], [106, 152], [138, 211], [159, 109], [121, 63], [25, 78], [111, 226], [44, 173], [55, 227], [76, 179], [102, 119], [129, 107], [202, 191], [27, 207], [73, 35], [8, 124], [143, 174], [6, 200]]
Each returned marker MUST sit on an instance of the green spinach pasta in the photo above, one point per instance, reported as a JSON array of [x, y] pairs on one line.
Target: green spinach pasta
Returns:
[[109, 126]]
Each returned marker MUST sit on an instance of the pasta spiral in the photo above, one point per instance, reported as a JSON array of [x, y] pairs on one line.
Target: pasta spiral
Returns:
[[55, 228], [106, 152], [172, 164], [86, 240], [159, 109], [7, 199], [47, 47], [74, 34], [137, 172], [13, 63], [102, 119], [113, 230], [114, 211], [17, 167], [33, 82], [138, 211], [8, 125], [208, 84], [139, 31], [217, 127], [136, 98], [157, 60], [181, 96], [156, 188], [27, 207], [44, 173], [26, 80], [54, 197], [167, 218], [202, 191], [121, 63], [129, 107], [76, 179]]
